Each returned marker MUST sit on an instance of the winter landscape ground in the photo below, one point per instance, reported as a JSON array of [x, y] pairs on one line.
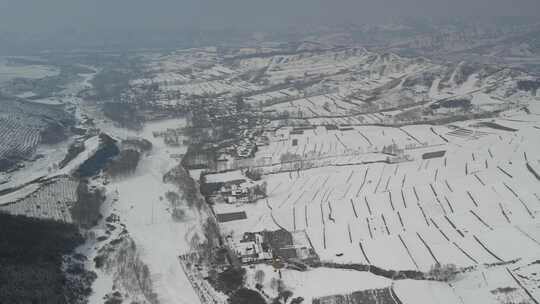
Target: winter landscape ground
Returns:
[[319, 171]]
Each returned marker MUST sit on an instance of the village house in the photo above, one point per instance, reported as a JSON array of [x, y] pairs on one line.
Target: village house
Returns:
[[252, 248], [266, 245]]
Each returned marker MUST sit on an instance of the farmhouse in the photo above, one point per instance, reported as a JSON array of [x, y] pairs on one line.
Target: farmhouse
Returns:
[[393, 149], [235, 194], [232, 187], [399, 159], [244, 192], [264, 245], [252, 248]]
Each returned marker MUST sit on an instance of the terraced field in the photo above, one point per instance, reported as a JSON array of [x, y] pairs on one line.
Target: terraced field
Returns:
[[50, 199], [24, 125]]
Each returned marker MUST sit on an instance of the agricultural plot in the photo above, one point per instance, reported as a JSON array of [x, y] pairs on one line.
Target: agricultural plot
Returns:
[[51, 199], [23, 125], [410, 291], [361, 154], [166, 76], [274, 97], [359, 141], [307, 284], [325, 105], [374, 68], [20, 141], [475, 204], [382, 161], [162, 78], [196, 58], [526, 278], [499, 284], [209, 88]]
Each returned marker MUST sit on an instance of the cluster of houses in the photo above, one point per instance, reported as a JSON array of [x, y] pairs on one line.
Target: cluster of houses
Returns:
[[241, 153], [396, 154], [235, 193], [245, 148], [249, 143], [264, 246], [232, 187], [244, 192]]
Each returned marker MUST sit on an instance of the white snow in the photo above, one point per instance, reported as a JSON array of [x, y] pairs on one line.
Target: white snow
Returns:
[[90, 147], [319, 282], [157, 236], [424, 292]]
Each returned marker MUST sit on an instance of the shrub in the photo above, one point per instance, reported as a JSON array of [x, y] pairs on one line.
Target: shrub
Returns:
[[178, 214], [230, 280], [106, 152], [297, 300], [173, 198], [125, 163], [187, 186], [443, 273], [285, 295], [86, 211], [254, 174], [246, 296], [260, 189]]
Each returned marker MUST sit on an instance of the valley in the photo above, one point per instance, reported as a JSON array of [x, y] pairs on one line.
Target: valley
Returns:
[[285, 173]]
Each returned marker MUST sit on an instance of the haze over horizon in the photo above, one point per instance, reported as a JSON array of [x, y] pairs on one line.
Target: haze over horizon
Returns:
[[33, 16]]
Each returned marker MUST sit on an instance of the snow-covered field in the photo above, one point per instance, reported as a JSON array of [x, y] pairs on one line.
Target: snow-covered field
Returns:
[[318, 282], [366, 159], [475, 205], [51, 200], [322, 142], [463, 208]]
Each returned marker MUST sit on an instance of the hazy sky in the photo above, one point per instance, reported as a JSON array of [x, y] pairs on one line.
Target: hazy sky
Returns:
[[51, 15]]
